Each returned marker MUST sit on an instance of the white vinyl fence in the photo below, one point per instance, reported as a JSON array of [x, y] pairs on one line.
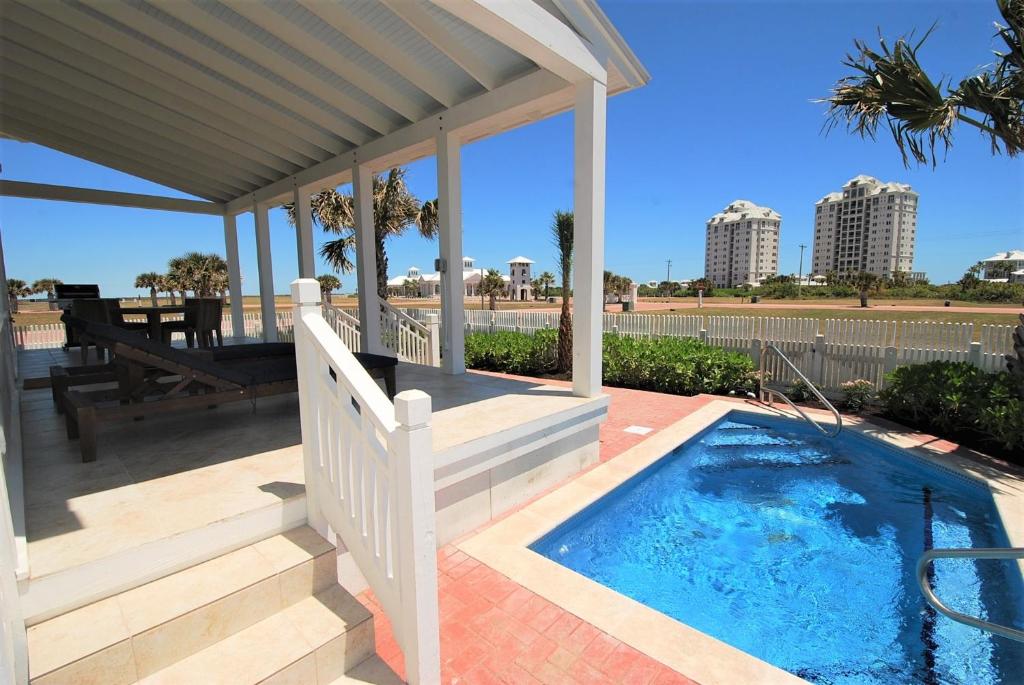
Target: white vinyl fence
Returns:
[[829, 352]]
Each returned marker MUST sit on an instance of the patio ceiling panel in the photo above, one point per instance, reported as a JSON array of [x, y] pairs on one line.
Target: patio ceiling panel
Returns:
[[36, 31], [279, 62], [39, 66], [273, 127]]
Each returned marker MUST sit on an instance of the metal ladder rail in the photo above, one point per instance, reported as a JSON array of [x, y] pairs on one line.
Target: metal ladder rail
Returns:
[[979, 553], [767, 393]]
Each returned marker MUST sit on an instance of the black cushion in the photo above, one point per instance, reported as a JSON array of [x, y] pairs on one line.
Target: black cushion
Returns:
[[375, 361], [254, 351]]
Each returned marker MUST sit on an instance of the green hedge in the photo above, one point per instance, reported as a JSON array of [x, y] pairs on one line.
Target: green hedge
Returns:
[[670, 365], [959, 401]]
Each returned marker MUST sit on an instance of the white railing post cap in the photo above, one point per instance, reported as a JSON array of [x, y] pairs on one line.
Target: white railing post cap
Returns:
[[306, 291], [412, 408]]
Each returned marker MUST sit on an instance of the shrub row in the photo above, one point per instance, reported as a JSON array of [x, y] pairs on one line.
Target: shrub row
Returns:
[[959, 401], [670, 365]]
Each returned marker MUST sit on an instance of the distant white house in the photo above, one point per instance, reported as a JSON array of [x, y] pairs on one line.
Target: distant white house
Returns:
[[429, 285], [1015, 260]]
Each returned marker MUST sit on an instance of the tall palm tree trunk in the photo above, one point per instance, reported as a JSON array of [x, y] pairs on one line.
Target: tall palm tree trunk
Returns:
[[152, 295], [382, 269], [565, 329]]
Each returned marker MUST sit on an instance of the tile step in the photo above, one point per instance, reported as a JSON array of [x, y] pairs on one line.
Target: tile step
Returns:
[[146, 629], [314, 641]]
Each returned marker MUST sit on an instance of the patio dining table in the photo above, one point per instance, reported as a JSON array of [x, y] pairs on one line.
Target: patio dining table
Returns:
[[153, 315]]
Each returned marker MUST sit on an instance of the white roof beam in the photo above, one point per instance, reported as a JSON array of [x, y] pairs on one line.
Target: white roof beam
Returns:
[[29, 131], [518, 96], [237, 40], [159, 67], [48, 36], [117, 104], [69, 116], [588, 18], [257, 161], [530, 30], [364, 34], [85, 133], [161, 32], [327, 56], [424, 24], [44, 191]]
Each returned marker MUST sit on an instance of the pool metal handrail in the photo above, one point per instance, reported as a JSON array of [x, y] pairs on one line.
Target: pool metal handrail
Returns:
[[767, 392], [977, 553]]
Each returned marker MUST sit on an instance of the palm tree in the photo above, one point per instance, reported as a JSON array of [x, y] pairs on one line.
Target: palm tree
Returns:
[[493, 286], [547, 279], [151, 280], [328, 284], [562, 237], [202, 273], [16, 288], [891, 86], [863, 282], [48, 286], [410, 288], [395, 210], [171, 284]]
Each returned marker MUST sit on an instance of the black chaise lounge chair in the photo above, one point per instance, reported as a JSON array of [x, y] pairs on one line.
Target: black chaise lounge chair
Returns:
[[153, 378]]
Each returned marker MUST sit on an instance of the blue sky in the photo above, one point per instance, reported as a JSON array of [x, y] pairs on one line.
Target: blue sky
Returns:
[[727, 115]]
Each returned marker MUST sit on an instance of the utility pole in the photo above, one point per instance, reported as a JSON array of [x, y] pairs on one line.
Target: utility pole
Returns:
[[668, 270], [800, 273]]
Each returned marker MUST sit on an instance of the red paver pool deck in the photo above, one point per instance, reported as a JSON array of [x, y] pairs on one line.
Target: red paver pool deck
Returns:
[[493, 630]]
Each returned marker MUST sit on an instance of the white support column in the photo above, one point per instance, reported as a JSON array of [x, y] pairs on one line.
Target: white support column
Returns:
[[449, 210], [234, 274], [366, 261], [588, 237], [266, 269], [304, 232]]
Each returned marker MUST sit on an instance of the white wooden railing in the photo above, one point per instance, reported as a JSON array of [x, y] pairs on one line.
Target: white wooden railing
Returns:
[[344, 324], [369, 472], [408, 338]]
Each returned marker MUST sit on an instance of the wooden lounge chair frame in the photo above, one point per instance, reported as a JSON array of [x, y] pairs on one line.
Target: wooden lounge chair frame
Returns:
[[182, 382]]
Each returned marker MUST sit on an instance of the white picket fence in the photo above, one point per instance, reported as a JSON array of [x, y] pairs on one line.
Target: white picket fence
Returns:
[[369, 470], [830, 352]]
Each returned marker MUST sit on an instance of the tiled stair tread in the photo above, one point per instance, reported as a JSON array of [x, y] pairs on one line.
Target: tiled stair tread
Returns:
[[72, 636], [273, 644], [373, 671]]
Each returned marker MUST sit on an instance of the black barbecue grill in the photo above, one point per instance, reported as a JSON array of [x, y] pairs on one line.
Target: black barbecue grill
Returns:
[[68, 292]]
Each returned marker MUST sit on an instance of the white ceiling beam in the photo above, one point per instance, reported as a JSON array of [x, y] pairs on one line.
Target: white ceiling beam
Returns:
[[32, 85], [157, 30], [607, 44], [516, 95], [235, 39], [233, 103], [442, 39], [52, 139], [530, 30], [90, 55], [342, 19], [328, 57], [120, 139], [258, 162], [44, 191], [86, 134]]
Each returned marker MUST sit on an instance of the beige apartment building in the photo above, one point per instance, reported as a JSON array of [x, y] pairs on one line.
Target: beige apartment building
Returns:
[[869, 226], [742, 245]]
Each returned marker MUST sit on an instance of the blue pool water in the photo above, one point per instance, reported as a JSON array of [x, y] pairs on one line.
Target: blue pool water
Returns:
[[801, 550]]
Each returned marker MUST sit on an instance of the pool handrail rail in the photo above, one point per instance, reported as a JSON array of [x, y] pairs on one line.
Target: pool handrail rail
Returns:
[[966, 553], [768, 392]]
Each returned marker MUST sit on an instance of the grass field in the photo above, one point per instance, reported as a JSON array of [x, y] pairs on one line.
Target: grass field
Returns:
[[879, 314]]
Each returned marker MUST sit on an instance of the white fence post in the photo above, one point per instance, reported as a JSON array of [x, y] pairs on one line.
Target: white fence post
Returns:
[[974, 354], [434, 340], [755, 350], [817, 359], [493, 326], [306, 300], [417, 555], [703, 334], [890, 363]]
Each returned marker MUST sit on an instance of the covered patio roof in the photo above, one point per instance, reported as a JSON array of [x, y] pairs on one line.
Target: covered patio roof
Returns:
[[234, 101]]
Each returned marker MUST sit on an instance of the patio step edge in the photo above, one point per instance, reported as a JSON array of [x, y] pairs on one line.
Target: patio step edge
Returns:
[[148, 628], [54, 594]]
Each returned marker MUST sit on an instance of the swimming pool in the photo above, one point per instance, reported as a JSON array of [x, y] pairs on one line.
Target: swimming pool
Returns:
[[801, 550]]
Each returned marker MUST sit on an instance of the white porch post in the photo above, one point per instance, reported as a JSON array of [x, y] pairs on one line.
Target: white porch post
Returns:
[[267, 308], [304, 232], [366, 260], [234, 274], [588, 237], [449, 210]]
